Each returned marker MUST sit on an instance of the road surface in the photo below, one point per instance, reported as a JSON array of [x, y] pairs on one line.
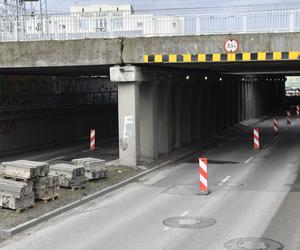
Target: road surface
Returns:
[[254, 203]]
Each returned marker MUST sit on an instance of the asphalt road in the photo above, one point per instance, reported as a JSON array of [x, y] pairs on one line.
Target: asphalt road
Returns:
[[107, 149], [254, 204]]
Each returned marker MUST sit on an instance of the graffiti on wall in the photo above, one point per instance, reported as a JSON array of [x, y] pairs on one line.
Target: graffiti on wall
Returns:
[[128, 130]]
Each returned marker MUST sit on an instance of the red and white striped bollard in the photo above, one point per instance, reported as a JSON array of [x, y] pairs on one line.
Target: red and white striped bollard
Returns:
[[298, 110], [256, 138], [203, 176], [92, 139], [288, 118], [275, 126]]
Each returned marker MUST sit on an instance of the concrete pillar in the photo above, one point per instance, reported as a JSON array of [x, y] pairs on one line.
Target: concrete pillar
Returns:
[[202, 110], [222, 107], [247, 100], [128, 102], [177, 114], [138, 124], [194, 111], [165, 118], [186, 114], [206, 109], [228, 106], [232, 101], [214, 111], [148, 121]]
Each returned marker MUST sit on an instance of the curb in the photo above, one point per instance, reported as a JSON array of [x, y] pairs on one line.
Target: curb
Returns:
[[4, 234]]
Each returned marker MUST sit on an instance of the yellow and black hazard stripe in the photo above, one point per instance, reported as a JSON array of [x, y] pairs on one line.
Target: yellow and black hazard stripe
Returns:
[[219, 57]]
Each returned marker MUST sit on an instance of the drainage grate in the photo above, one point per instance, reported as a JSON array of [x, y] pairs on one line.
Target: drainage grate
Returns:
[[189, 222], [253, 244]]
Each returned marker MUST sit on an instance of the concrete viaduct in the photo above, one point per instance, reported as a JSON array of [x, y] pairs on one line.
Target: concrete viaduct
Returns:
[[172, 90]]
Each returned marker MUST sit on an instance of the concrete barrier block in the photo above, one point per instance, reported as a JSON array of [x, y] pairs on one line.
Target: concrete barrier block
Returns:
[[12, 202], [45, 182], [68, 175], [18, 170], [15, 188], [88, 162], [94, 168], [42, 167]]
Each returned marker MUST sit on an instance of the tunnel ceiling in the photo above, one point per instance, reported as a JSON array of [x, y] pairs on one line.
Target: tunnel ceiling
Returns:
[[288, 68]]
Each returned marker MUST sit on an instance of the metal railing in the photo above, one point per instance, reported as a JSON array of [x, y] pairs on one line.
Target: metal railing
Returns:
[[173, 22]]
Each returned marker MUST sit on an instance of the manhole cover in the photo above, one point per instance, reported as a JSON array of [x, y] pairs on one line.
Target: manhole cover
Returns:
[[253, 244], [189, 222]]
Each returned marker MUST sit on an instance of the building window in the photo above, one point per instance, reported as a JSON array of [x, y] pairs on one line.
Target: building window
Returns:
[[101, 25], [174, 25], [117, 23], [140, 25], [83, 24]]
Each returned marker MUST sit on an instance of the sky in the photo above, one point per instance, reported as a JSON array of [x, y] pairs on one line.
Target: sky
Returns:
[[63, 5]]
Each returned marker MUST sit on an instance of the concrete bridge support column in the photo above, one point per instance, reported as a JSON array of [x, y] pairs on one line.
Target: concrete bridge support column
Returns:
[[148, 123], [240, 86], [128, 100], [228, 106], [177, 114], [165, 125], [186, 114], [206, 109], [244, 96], [222, 106], [214, 107], [138, 121], [202, 110]]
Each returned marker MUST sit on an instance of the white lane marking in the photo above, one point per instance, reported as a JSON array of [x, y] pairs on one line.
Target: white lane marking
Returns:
[[250, 159], [224, 180], [57, 158], [185, 213], [85, 150]]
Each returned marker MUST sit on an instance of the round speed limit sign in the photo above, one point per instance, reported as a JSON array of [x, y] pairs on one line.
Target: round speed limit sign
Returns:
[[231, 45]]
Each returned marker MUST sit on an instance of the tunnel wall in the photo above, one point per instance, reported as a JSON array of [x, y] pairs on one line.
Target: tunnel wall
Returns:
[[200, 107], [28, 131], [163, 109]]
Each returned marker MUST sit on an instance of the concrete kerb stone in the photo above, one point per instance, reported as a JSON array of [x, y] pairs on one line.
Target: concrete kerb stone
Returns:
[[4, 234]]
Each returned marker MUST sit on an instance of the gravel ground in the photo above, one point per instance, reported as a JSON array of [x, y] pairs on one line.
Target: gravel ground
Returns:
[[116, 174]]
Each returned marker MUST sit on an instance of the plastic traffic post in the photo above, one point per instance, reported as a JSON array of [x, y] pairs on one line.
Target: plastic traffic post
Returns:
[[275, 126], [203, 166], [92, 139], [256, 144], [288, 118]]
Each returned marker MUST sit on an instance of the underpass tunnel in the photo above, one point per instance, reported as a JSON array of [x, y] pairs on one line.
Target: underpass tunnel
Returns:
[[48, 110], [161, 110]]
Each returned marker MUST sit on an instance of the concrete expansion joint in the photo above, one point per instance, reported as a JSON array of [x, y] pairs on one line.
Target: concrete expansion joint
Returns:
[[122, 50]]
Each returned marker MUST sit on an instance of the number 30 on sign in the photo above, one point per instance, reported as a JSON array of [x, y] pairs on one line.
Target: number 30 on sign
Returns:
[[231, 46]]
